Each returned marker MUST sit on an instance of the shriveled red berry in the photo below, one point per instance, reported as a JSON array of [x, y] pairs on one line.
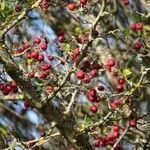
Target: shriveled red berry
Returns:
[[137, 45], [37, 40], [50, 57], [71, 6], [94, 108], [139, 26], [80, 74]]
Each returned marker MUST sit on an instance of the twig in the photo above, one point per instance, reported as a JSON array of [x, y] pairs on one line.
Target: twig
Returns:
[[71, 102]]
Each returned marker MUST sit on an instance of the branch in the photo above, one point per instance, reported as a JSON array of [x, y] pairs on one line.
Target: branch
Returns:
[[19, 18]]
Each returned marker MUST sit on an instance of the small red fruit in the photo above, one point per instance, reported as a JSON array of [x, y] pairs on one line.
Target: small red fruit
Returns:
[[50, 57], [18, 8], [139, 26], [126, 2], [37, 40], [121, 81], [41, 57], [83, 2], [60, 38], [71, 6], [116, 128], [80, 74], [94, 108], [119, 88], [76, 52], [86, 79], [26, 104], [100, 88], [133, 26], [111, 62], [93, 73], [43, 46], [137, 45], [35, 55], [133, 123], [44, 4], [116, 134]]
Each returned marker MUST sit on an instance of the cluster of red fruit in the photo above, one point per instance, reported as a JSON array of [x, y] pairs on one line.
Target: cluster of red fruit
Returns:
[[93, 71], [72, 6], [45, 67], [8, 88], [136, 27], [109, 139]]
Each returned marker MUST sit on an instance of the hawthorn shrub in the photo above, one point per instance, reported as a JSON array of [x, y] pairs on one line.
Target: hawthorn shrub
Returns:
[[74, 75]]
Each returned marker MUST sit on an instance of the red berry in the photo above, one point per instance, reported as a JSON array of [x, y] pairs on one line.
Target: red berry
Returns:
[[76, 52], [7, 88], [50, 57], [111, 62], [96, 66], [29, 56], [92, 92], [35, 55], [133, 26], [41, 57], [116, 128], [137, 45], [126, 2], [42, 133], [37, 40], [100, 88], [44, 4], [5, 92], [93, 73], [71, 6], [18, 8], [80, 74], [133, 123], [121, 81], [86, 79], [43, 75], [119, 88], [139, 26], [94, 108], [60, 39], [92, 98], [1, 86], [43, 46], [107, 67], [26, 104], [45, 67], [116, 134], [109, 137], [83, 2]]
